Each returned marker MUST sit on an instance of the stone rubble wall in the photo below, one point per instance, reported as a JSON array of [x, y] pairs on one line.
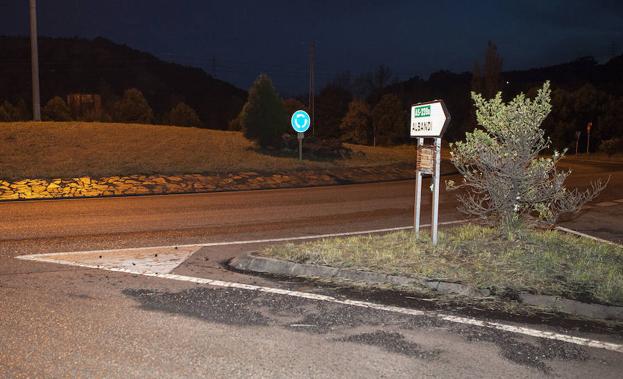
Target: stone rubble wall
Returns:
[[157, 184]]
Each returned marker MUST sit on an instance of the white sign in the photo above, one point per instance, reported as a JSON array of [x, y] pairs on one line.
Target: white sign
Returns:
[[429, 119]]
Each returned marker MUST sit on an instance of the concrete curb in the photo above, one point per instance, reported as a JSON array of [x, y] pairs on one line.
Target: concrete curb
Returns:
[[253, 263]]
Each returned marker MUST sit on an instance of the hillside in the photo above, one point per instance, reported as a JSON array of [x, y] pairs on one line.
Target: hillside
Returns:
[[100, 66], [455, 88], [71, 149]]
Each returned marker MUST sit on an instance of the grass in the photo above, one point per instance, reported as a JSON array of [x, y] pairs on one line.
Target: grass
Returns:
[[70, 149], [543, 262]]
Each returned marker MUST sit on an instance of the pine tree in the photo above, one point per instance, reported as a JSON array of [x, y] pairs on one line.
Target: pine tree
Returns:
[[263, 118]]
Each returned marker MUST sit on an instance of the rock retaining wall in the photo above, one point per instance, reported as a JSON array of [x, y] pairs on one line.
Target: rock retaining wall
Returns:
[[157, 184]]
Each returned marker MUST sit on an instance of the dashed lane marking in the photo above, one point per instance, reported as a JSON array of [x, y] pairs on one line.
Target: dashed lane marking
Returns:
[[119, 263]]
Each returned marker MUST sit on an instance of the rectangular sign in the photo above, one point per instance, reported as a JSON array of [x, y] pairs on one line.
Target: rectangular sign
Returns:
[[429, 119], [422, 111], [425, 161]]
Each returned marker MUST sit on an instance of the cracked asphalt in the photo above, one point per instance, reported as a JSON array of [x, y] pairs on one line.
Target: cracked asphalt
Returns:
[[58, 321]]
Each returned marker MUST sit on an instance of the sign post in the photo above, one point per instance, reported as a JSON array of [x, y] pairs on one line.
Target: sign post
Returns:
[[428, 120], [300, 123], [588, 137]]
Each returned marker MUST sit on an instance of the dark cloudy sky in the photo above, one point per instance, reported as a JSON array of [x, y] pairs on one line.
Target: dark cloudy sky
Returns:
[[412, 37]]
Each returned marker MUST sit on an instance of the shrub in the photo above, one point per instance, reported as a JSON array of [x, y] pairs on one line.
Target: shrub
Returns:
[[356, 126], [56, 110], [17, 112], [504, 178], [183, 115], [292, 105], [612, 146], [263, 118], [5, 112], [388, 121], [133, 107]]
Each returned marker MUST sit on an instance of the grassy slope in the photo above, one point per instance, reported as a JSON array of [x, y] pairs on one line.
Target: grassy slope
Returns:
[[547, 262], [69, 149]]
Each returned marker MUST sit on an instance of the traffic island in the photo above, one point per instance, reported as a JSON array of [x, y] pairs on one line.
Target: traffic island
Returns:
[[548, 270]]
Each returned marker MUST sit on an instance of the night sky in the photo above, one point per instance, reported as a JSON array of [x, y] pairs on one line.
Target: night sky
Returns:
[[242, 38]]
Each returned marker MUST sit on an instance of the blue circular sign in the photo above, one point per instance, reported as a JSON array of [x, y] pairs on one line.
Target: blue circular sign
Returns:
[[300, 121]]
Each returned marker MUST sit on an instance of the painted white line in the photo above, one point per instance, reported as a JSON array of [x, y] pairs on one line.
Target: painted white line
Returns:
[[618, 200], [363, 304], [571, 231], [245, 242], [50, 258]]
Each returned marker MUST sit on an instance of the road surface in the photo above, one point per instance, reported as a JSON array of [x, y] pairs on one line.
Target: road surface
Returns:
[[59, 320]]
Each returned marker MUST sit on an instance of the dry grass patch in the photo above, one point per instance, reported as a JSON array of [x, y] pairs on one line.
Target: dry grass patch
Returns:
[[544, 262], [69, 149]]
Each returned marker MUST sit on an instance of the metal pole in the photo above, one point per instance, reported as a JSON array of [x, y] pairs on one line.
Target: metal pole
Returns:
[[312, 84], [418, 195], [34, 61], [300, 136], [435, 219]]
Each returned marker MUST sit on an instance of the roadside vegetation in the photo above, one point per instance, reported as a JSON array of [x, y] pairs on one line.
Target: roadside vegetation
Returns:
[[505, 181], [542, 262], [71, 149], [513, 191]]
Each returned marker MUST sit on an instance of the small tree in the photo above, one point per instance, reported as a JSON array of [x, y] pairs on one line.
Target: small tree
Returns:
[[504, 179], [263, 118], [133, 107], [183, 115], [292, 105], [331, 106], [6, 111], [56, 110], [356, 126], [388, 121]]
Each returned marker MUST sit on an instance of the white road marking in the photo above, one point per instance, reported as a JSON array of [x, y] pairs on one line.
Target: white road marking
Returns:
[[150, 259], [90, 259], [618, 200], [363, 304], [246, 242]]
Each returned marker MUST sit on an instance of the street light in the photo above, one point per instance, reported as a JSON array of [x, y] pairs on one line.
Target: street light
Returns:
[[34, 61]]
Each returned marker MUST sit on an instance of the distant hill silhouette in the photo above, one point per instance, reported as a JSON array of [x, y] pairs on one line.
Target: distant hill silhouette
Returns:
[[70, 65], [454, 88]]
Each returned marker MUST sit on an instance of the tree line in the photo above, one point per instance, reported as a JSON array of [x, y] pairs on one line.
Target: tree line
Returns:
[[131, 107], [373, 108]]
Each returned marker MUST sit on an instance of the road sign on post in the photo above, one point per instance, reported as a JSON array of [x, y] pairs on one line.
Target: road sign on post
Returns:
[[428, 120], [300, 123]]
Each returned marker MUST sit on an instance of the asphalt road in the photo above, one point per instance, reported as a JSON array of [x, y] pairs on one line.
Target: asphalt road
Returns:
[[58, 320]]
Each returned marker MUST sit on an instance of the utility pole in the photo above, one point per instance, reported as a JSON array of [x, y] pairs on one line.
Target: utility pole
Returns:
[[312, 56], [34, 61]]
